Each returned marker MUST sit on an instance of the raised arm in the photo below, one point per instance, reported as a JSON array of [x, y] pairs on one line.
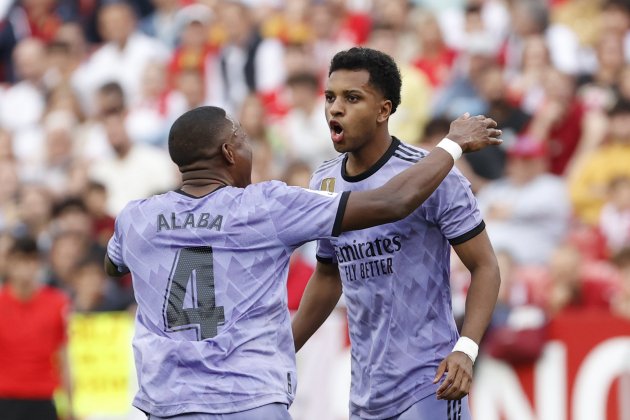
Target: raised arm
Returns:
[[402, 194]]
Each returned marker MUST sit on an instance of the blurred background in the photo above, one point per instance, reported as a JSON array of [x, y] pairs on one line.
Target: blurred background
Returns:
[[89, 89]]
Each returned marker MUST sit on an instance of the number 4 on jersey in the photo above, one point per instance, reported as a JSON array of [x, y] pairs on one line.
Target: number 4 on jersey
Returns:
[[205, 317]]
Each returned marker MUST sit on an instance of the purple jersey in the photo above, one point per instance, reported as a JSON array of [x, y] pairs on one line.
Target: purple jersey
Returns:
[[212, 331], [396, 284]]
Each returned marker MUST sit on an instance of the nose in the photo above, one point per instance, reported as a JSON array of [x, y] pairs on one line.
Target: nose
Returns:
[[335, 107]]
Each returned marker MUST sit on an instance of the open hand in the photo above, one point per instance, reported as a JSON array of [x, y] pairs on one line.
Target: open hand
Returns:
[[474, 133]]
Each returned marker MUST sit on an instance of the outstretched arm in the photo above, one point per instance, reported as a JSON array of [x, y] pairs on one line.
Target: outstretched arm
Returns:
[[478, 256], [402, 194], [319, 299]]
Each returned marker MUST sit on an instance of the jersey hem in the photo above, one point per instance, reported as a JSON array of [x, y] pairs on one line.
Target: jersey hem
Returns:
[[341, 210], [468, 235], [395, 407], [225, 408]]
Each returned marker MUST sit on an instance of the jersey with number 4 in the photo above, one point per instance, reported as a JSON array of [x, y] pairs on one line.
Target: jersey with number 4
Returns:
[[396, 284], [212, 330]]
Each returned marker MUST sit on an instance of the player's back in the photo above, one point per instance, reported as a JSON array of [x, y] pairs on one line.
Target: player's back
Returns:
[[212, 327]]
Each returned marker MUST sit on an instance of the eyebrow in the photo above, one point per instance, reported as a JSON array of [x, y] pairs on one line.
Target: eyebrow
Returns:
[[347, 92]]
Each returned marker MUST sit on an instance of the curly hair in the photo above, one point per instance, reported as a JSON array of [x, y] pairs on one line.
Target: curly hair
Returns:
[[384, 73]]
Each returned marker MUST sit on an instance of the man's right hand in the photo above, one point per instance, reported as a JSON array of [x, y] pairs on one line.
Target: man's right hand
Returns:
[[474, 133]]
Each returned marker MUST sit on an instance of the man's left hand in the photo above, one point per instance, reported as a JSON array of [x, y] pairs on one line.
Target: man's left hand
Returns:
[[458, 368]]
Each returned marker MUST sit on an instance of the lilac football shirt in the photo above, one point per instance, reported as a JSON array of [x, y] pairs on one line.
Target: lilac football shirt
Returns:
[[396, 284], [212, 330]]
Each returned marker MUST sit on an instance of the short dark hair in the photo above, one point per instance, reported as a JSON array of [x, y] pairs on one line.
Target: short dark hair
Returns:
[[622, 106], [384, 73], [26, 246], [197, 134]]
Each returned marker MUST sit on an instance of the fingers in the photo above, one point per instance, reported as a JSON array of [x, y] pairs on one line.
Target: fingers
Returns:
[[457, 383], [440, 371], [465, 116], [493, 132], [448, 381]]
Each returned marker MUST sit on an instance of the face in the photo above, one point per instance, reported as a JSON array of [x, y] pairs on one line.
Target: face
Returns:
[[23, 271], [354, 109]]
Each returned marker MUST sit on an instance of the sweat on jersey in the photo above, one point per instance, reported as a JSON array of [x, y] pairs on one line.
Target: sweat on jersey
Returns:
[[396, 284], [212, 329]]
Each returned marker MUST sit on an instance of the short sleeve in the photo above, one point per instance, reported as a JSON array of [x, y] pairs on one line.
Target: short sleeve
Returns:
[[456, 211], [114, 246], [326, 252], [301, 215]]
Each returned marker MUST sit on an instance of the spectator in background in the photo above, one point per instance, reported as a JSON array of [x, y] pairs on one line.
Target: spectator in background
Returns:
[[596, 90], [590, 180], [34, 206], [489, 165], [122, 58], [189, 92], [303, 128], [268, 150], [461, 93], [93, 291], [526, 84], [193, 50], [95, 198], [244, 61], [27, 94], [147, 120], [620, 303], [413, 112], [572, 286], [558, 120], [136, 170], [517, 331], [434, 58], [614, 219], [30, 19], [161, 23], [527, 212], [32, 338]]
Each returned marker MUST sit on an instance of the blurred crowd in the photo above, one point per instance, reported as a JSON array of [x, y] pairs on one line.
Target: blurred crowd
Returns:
[[89, 89]]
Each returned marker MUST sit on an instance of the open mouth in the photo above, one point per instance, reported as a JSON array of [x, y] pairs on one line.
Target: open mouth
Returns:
[[336, 131]]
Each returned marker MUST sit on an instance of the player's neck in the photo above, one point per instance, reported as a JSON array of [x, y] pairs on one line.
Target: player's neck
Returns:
[[363, 158], [201, 182]]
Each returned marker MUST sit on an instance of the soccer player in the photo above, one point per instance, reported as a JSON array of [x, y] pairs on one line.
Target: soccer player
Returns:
[[209, 265], [408, 361]]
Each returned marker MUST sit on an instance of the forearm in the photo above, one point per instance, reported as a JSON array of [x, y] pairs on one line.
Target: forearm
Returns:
[[318, 301], [480, 302]]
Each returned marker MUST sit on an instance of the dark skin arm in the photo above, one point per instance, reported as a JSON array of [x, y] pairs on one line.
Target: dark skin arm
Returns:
[[405, 192], [320, 297], [111, 269], [478, 256]]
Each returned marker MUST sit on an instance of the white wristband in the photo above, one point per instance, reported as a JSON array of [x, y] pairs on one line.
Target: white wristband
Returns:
[[468, 346], [451, 147]]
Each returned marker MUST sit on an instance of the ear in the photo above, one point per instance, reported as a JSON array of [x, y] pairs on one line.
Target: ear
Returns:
[[228, 153], [384, 112]]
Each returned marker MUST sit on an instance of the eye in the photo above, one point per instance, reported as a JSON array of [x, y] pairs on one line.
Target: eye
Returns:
[[352, 99], [329, 98]]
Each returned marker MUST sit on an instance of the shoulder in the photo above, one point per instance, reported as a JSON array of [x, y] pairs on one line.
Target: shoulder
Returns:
[[329, 166], [140, 206], [408, 153], [55, 296]]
